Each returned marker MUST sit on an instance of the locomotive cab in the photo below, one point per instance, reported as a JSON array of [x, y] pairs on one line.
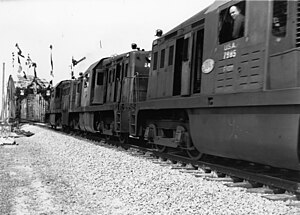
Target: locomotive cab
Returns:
[[239, 63], [265, 57]]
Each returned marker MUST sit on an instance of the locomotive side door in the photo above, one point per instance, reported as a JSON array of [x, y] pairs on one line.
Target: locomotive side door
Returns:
[[84, 96], [162, 77], [125, 82], [197, 59], [99, 87], [113, 84], [177, 67], [65, 103], [170, 68], [118, 86], [78, 92], [92, 84], [109, 93], [186, 65], [72, 95]]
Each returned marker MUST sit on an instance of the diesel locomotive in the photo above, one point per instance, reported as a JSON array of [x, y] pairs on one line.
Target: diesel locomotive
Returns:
[[205, 91]]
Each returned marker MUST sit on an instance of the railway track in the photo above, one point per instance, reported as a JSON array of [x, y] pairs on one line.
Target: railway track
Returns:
[[275, 184]]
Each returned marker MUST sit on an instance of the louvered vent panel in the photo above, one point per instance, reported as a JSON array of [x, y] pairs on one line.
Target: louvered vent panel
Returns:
[[298, 25]]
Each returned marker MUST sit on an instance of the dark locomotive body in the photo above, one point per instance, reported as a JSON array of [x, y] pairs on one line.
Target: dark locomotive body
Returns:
[[206, 92]]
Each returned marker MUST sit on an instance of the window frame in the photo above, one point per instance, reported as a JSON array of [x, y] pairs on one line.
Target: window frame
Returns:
[[226, 22]]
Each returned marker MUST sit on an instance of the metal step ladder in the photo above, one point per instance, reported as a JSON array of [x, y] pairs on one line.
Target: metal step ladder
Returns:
[[132, 121], [118, 122]]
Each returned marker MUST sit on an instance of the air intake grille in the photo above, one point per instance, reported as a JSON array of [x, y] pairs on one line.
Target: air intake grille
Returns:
[[298, 25]]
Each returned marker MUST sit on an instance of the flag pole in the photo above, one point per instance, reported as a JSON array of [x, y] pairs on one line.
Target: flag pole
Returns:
[[51, 62], [3, 98]]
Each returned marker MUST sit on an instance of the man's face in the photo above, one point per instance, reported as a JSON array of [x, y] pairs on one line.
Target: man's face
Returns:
[[234, 12]]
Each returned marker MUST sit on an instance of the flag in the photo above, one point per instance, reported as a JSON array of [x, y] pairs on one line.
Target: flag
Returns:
[[19, 51], [34, 69], [29, 61], [19, 55], [51, 62], [13, 59], [20, 66]]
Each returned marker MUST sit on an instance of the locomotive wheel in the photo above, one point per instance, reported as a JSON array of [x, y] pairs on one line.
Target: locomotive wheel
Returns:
[[123, 138], [107, 137], [194, 154], [161, 148]]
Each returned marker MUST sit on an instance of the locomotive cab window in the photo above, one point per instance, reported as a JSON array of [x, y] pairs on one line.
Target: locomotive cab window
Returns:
[[232, 23], [279, 18]]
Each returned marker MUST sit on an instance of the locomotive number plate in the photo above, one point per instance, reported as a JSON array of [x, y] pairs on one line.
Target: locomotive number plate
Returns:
[[229, 51]]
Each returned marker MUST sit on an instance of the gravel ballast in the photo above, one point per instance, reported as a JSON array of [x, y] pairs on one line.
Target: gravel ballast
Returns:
[[52, 173]]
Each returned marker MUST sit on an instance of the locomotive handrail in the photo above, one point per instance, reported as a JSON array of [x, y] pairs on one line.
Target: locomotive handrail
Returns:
[[136, 77], [135, 86]]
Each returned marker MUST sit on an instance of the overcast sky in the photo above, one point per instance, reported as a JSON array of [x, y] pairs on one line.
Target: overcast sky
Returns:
[[76, 27]]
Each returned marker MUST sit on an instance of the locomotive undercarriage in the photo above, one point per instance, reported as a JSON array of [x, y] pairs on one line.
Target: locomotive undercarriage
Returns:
[[96, 122], [104, 123], [55, 120], [169, 129], [166, 130]]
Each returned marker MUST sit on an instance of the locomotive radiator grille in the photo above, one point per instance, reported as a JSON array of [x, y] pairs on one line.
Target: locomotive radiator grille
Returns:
[[298, 25], [244, 76]]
